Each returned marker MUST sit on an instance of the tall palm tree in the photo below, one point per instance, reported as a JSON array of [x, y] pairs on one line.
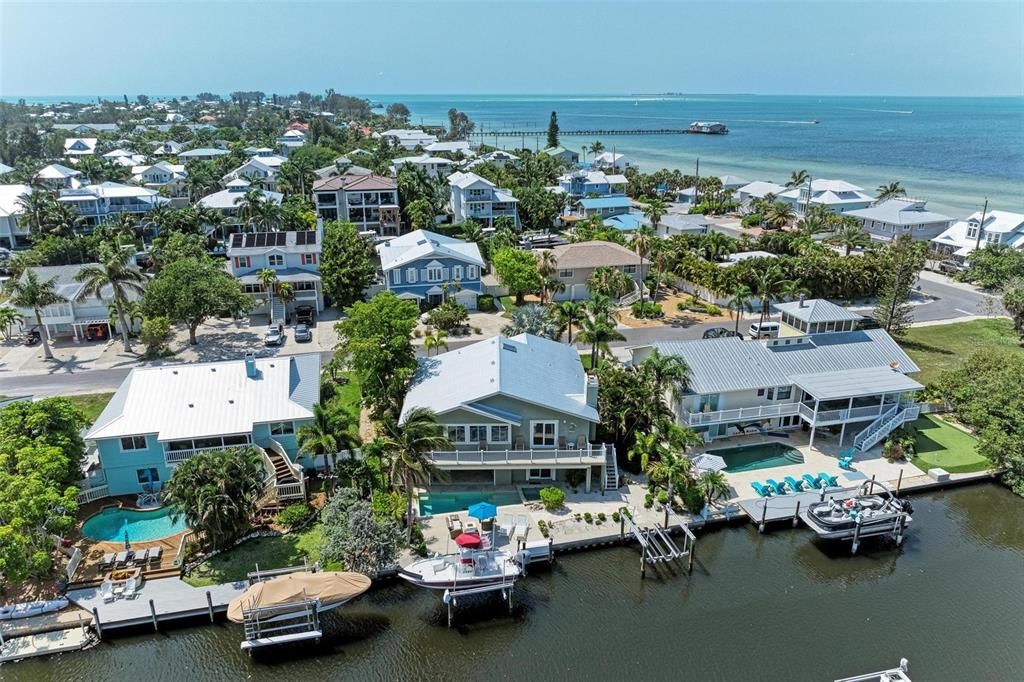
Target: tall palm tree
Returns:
[[655, 209], [643, 243], [768, 284], [777, 215], [797, 178], [850, 235], [29, 292], [569, 312], [532, 319], [792, 289], [250, 205], [113, 272], [714, 485], [716, 244], [436, 341], [407, 447], [740, 301], [669, 373], [268, 280], [891, 190], [330, 432], [597, 147], [547, 266], [35, 207], [598, 331], [8, 318]]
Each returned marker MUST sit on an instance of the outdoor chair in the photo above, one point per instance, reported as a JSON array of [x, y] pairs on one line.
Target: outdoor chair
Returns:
[[107, 592], [140, 557], [118, 590], [507, 525], [131, 588], [487, 525], [561, 443], [107, 562], [581, 442], [121, 560], [154, 555]]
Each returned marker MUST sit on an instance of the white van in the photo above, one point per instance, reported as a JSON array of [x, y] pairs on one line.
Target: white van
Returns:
[[765, 330]]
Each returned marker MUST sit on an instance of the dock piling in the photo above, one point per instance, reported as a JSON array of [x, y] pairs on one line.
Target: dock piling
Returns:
[[899, 482], [152, 612], [796, 514], [764, 512], [97, 623], [209, 604]]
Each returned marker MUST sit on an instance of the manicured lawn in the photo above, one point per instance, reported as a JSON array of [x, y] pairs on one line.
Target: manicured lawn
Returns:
[[275, 552], [943, 445], [587, 360], [91, 403], [350, 394], [943, 347]]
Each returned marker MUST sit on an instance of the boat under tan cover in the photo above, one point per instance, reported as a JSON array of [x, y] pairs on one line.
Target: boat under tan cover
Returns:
[[328, 587]]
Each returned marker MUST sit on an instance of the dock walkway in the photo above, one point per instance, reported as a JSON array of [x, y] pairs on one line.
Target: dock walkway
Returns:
[[781, 507], [171, 599], [44, 644]]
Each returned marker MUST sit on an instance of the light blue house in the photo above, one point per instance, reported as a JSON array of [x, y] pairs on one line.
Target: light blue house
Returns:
[[418, 265], [586, 183], [162, 416], [604, 207]]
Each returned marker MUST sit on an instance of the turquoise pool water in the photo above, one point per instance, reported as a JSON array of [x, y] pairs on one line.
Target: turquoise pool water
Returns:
[[445, 502], [760, 456], [111, 524]]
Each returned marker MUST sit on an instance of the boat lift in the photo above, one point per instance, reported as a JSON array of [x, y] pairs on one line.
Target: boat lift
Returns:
[[657, 545], [270, 626], [453, 595]]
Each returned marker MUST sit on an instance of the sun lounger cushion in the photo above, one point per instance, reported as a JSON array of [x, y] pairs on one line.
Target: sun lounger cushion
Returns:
[[155, 554]]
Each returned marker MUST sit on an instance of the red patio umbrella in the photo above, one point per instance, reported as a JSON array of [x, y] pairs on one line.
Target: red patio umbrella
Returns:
[[467, 540]]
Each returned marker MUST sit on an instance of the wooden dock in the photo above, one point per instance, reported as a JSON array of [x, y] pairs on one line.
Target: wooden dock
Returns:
[[762, 510], [45, 644]]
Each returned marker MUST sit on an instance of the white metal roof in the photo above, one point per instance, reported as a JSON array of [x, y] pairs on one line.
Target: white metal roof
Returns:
[[900, 211], [421, 244], [759, 188], [816, 310], [229, 198], [9, 195], [466, 180], [527, 368], [210, 399], [55, 171], [855, 383]]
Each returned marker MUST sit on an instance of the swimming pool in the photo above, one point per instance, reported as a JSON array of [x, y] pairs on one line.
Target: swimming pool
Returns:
[[111, 524], [759, 456], [446, 502]]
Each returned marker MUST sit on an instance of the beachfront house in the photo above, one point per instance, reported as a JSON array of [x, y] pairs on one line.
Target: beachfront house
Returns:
[[408, 139], [98, 204], [294, 256], [1000, 227], [369, 201], [603, 207], [612, 161], [517, 410], [579, 184], [77, 318], [434, 166], [747, 195], [451, 147], [419, 266], [848, 385], [79, 146], [12, 232], [901, 216], [161, 416], [575, 263], [674, 224], [498, 157], [837, 196], [562, 154], [478, 199]]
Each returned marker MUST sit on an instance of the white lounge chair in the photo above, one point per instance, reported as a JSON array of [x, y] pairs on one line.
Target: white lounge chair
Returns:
[[107, 592], [118, 590], [131, 588], [522, 527], [507, 526]]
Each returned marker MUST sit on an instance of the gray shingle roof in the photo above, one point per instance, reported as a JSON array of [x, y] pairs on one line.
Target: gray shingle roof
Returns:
[[732, 364]]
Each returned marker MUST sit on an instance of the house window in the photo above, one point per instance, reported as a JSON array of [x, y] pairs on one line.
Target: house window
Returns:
[[396, 277], [434, 274], [410, 275], [282, 429], [457, 272], [543, 434], [629, 269], [500, 434], [470, 272], [477, 433], [275, 260], [252, 288], [784, 393], [146, 476], [770, 394], [540, 474], [457, 434], [133, 443], [565, 274], [243, 262], [308, 259], [760, 393]]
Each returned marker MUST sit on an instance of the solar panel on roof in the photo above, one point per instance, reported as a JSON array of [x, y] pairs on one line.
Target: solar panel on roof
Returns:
[[236, 240], [280, 238]]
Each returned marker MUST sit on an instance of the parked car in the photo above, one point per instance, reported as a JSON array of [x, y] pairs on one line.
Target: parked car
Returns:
[[302, 333], [764, 330], [719, 333], [950, 266], [274, 337], [143, 259], [97, 332], [868, 322], [304, 314], [32, 337]]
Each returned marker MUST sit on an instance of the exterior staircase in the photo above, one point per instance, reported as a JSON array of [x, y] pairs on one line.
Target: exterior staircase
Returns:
[[286, 482], [887, 422], [278, 313], [611, 468]]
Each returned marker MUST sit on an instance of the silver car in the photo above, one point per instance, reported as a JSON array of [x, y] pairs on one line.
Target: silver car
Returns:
[[302, 333], [274, 337]]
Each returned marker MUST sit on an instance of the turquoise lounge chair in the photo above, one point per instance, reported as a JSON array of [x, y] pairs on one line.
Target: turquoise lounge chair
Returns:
[[846, 462], [826, 480], [776, 486], [760, 489], [794, 485], [811, 481]]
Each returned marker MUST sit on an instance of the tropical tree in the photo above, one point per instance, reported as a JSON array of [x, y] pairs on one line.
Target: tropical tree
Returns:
[[777, 215], [740, 301], [8, 318], [596, 148], [643, 242], [251, 205], [553, 130], [346, 264], [768, 285], [30, 292], [668, 374], [115, 272], [714, 485], [569, 312], [662, 456], [517, 271], [850, 236], [598, 331], [890, 191], [532, 319], [267, 278], [715, 245], [903, 260], [655, 209], [330, 432], [436, 341], [421, 214], [407, 447], [217, 492], [797, 178], [610, 282], [35, 208]]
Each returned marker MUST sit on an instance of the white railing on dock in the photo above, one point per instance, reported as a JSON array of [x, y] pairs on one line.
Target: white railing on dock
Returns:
[[592, 454], [741, 413], [93, 494]]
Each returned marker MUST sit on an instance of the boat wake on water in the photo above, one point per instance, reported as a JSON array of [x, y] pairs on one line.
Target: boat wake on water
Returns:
[[905, 112], [762, 120]]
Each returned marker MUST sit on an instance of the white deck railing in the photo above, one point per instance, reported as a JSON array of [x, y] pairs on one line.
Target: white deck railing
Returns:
[[837, 416], [93, 494], [592, 454], [738, 414], [179, 456]]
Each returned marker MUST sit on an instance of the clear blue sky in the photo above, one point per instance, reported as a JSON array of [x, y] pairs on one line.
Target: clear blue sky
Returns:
[[770, 47]]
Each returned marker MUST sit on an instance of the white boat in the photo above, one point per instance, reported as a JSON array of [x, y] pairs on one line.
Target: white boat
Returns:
[[469, 568], [29, 609], [873, 514], [281, 598]]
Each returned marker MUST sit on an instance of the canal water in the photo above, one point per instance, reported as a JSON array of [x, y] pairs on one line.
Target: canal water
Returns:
[[775, 607]]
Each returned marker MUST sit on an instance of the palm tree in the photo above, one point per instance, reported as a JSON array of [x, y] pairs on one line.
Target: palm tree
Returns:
[[598, 331], [797, 178], [675, 468], [124, 226], [407, 447], [716, 244], [890, 191], [668, 373], [768, 284], [268, 279], [569, 312], [714, 485], [29, 292], [436, 341], [643, 243], [113, 272], [655, 209], [547, 266], [740, 302], [532, 319], [777, 215], [850, 236], [793, 289], [250, 205], [35, 207], [8, 318], [596, 148], [330, 432]]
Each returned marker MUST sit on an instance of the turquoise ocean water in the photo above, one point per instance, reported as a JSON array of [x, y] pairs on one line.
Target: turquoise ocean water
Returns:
[[952, 151]]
